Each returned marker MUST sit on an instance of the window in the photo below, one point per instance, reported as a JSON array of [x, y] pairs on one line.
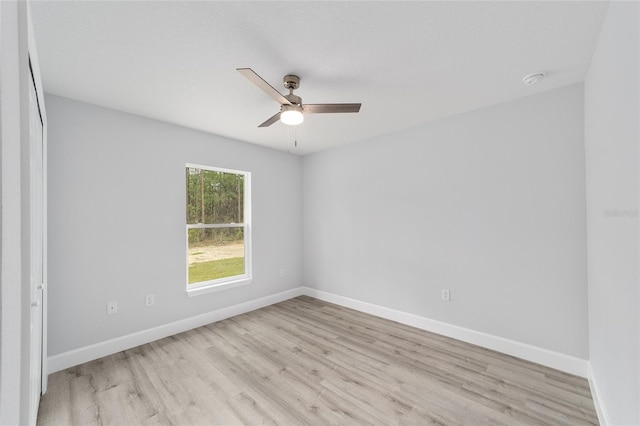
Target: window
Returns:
[[218, 228]]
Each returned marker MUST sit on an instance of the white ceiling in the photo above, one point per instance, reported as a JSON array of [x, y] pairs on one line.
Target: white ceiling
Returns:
[[407, 62]]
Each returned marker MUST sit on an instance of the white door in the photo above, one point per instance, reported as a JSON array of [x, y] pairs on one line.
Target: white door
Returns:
[[37, 250]]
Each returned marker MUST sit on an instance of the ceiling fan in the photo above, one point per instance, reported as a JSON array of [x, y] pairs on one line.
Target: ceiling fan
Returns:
[[291, 108]]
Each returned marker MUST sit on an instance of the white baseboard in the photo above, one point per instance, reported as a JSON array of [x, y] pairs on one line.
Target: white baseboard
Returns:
[[535, 354], [552, 359], [603, 418], [98, 350]]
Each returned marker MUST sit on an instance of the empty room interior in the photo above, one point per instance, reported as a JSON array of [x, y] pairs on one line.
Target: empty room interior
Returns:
[[307, 212]]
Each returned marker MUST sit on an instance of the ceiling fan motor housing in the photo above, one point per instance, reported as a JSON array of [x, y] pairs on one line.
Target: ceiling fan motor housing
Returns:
[[291, 82]]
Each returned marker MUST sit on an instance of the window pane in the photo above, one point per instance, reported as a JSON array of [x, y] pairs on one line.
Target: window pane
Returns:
[[214, 197], [215, 253]]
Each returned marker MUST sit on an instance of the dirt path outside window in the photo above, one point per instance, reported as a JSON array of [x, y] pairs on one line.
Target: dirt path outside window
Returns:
[[207, 253]]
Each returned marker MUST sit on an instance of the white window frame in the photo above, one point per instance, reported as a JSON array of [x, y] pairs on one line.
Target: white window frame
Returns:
[[204, 287]]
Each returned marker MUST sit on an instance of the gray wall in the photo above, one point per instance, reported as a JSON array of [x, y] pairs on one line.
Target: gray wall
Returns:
[[117, 221], [611, 140], [490, 204]]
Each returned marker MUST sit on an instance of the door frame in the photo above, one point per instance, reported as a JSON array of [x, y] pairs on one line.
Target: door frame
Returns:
[[14, 236], [34, 68], [16, 41], [36, 261]]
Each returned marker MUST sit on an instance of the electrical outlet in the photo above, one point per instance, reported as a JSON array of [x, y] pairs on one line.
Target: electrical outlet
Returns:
[[112, 308], [446, 295], [150, 300], [282, 272]]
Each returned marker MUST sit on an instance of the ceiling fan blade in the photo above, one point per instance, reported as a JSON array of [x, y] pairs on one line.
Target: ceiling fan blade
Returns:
[[270, 121], [324, 108], [266, 87]]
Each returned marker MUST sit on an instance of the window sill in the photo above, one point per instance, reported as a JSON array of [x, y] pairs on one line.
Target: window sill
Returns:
[[197, 291]]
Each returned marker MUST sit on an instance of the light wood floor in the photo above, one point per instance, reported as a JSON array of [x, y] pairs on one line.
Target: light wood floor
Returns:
[[304, 361]]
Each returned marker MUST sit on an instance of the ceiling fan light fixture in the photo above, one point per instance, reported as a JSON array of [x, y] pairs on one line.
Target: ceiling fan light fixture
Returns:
[[291, 115]]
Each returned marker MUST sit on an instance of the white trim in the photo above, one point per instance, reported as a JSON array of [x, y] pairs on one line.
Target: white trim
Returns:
[[195, 289], [216, 169], [98, 350], [562, 362], [603, 418], [210, 288], [215, 226], [559, 361], [35, 66], [37, 78]]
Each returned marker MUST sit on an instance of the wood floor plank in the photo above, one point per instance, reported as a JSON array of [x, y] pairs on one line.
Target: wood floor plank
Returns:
[[57, 403], [305, 361], [84, 410]]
